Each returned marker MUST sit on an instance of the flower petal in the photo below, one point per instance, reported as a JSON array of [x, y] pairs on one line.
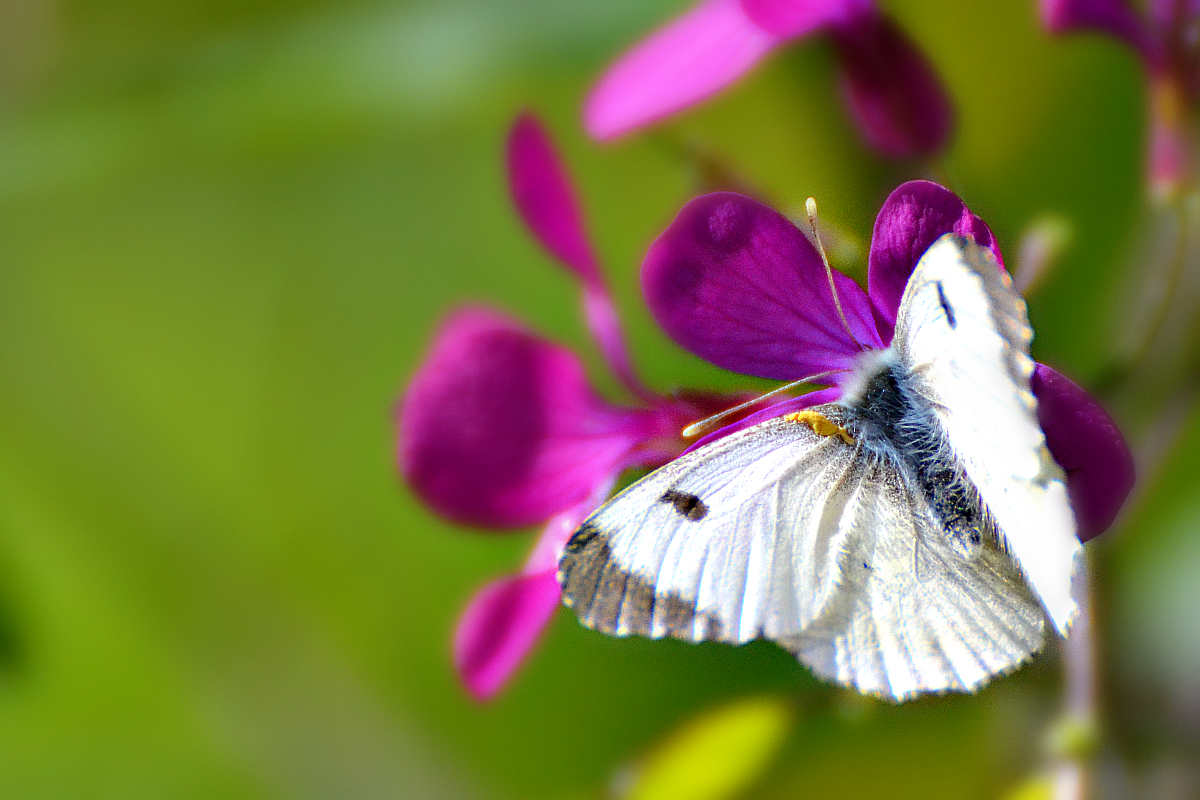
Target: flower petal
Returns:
[[684, 62], [1165, 14], [892, 90], [736, 283], [544, 198], [1114, 17], [555, 533], [793, 18], [677, 412], [505, 618], [500, 428], [605, 327], [500, 626], [828, 395], [913, 217], [1172, 135], [1087, 444]]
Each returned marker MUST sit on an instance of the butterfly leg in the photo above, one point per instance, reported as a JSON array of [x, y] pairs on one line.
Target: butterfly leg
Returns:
[[821, 425]]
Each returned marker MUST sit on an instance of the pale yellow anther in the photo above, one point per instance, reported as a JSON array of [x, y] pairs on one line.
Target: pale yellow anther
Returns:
[[821, 425]]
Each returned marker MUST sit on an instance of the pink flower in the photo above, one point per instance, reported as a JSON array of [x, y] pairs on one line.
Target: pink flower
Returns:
[[1167, 41], [891, 90], [736, 283], [499, 428]]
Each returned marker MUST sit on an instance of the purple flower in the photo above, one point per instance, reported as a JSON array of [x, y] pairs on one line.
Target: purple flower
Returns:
[[1167, 41], [500, 428], [890, 88], [736, 283]]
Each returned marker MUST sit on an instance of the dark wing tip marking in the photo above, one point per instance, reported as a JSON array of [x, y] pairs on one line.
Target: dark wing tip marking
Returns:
[[688, 506], [614, 600], [946, 306], [579, 569], [579, 540]]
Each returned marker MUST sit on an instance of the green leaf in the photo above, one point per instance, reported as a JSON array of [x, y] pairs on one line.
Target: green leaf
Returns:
[[1038, 787], [716, 754]]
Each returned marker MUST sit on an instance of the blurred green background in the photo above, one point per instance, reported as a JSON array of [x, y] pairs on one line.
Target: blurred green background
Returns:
[[227, 230]]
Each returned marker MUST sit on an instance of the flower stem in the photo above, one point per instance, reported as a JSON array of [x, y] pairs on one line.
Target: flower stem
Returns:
[[1075, 735]]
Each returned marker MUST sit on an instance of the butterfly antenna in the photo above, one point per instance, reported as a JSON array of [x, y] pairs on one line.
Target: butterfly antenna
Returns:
[[705, 425], [810, 206]]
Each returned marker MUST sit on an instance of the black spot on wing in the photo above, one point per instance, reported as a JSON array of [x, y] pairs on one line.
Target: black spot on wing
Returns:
[[688, 506], [946, 306]]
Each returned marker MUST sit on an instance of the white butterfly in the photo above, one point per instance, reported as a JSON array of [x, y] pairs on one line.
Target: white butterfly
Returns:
[[903, 540]]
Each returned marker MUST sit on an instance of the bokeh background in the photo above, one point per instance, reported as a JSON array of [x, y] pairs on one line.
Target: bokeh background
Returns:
[[227, 231]]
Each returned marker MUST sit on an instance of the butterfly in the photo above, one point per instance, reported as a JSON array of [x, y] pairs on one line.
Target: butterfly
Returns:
[[912, 537]]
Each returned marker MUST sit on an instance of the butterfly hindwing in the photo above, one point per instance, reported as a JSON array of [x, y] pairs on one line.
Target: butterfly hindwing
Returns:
[[963, 332], [898, 633]]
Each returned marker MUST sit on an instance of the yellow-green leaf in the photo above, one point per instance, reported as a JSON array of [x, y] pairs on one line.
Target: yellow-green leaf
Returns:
[[714, 755], [1038, 787]]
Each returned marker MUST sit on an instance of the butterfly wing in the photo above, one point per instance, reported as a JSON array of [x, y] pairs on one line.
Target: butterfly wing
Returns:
[[726, 542], [775, 532], [899, 631], [963, 331]]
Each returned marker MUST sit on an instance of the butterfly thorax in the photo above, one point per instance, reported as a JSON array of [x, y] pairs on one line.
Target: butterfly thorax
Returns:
[[894, 421]]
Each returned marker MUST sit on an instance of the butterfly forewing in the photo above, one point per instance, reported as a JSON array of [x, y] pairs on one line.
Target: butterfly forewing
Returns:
[[963, 332], [727, 542]]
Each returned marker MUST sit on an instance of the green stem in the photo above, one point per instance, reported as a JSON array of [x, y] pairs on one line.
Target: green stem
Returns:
[[1075, 735]]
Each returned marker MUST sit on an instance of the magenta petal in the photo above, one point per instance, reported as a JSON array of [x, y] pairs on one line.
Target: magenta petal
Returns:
[[738, 284], [682, 63], [1169, 156], [506, 617], [892, 90], [1170, 159], [500, 428], [605, 326], [1087, 444], [1114, 17], [828, 395], [558, 530], [913, 217], [794, 18], [1172, 13], [543, 196], [499, 627]]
